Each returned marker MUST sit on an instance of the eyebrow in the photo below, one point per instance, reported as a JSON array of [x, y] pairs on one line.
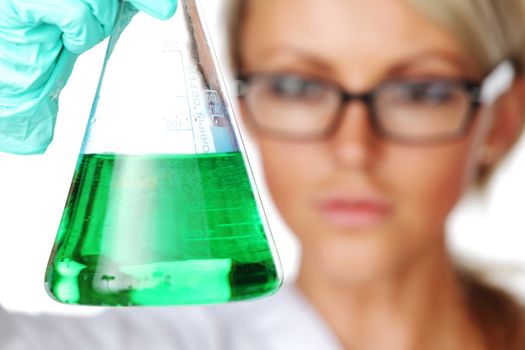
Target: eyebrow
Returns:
[[443, 56], [406, 63], [306, 56]]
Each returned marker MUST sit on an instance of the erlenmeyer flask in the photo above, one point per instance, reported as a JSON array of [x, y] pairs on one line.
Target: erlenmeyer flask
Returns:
[[163, 209]]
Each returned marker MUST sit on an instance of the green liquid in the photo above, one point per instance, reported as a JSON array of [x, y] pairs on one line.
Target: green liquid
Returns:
[[160, 230]]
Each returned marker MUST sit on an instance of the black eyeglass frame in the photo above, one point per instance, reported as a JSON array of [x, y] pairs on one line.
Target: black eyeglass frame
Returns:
[[473, 89]]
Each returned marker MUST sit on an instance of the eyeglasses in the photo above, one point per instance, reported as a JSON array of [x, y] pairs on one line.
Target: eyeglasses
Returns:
[[299, 108]]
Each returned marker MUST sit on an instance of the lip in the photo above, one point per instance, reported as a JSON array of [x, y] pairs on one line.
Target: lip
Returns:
[[353, 210]]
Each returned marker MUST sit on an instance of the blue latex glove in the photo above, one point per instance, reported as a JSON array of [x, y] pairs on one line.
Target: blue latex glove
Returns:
[[39, 43]]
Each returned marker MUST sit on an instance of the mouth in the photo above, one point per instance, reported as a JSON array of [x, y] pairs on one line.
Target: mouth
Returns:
[[353, 211]]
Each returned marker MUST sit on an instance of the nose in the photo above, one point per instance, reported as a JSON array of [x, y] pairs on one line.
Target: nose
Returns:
[[354, 142]]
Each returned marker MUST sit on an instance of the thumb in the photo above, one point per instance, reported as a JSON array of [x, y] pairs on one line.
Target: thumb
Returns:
[[161, 9]]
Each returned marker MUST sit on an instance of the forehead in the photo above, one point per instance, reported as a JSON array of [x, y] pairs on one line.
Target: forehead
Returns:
[[344, 31]]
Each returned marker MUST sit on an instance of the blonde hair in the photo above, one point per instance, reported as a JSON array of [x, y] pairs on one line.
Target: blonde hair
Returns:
[[491, 31]]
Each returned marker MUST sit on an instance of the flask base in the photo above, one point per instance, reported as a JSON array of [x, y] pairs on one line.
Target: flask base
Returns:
[[206, 281]]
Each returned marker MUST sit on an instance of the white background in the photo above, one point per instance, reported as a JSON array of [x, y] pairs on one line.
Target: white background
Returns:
[[33, 191]]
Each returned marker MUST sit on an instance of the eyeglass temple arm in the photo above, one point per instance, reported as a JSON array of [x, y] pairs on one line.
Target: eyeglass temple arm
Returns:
[[497, 82], [241, 84]]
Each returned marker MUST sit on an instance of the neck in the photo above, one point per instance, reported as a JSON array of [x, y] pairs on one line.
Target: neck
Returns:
[[418, 307]]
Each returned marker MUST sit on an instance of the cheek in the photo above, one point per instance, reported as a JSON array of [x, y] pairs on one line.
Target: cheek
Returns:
[[429, 183], [283, 170], [292, 172]]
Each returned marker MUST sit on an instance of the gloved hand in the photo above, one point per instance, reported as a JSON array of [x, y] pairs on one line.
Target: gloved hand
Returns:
[[39, 43]]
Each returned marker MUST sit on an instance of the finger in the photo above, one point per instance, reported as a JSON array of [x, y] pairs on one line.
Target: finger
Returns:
[[161, 9], [26, 54], [24, 68], [81, 29]]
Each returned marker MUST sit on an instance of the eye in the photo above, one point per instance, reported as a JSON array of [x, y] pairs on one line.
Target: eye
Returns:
[[295, 87], [429, 93]]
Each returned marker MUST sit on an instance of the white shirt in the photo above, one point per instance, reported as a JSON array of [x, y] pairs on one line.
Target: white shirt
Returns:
[[282, 321]]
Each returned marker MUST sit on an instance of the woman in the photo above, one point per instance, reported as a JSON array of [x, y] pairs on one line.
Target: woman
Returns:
[[369, 135], [372, 119]]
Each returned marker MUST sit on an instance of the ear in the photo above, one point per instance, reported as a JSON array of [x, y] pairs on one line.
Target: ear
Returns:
[[508, 119]]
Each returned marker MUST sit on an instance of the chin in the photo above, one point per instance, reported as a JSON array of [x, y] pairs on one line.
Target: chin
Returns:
[[353, 261]]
